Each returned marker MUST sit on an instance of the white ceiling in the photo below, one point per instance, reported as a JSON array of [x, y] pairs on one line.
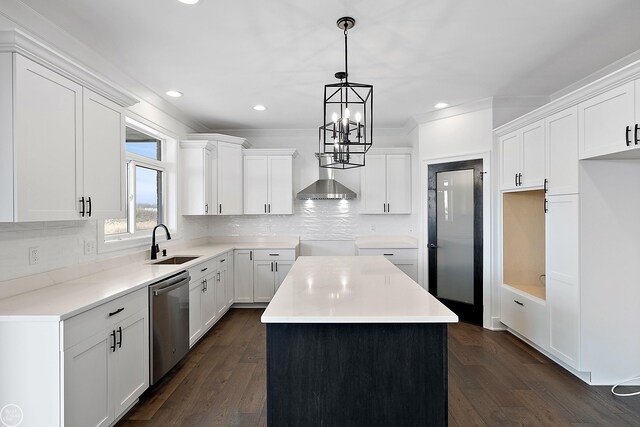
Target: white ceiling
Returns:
[[227, 56]]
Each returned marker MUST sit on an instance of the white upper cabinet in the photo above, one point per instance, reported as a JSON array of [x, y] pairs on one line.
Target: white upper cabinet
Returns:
[[386, 182], [47, 144], [608, 122], [562, 152], [229, 179], [103, 149], [199, 195], [214, 187], [268, 181], [62, 146], [523, 157]]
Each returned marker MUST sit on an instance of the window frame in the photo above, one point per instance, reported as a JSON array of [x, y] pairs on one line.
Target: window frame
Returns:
[[135, 239]]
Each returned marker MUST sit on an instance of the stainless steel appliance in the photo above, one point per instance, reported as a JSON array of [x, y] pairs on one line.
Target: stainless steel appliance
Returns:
[[169, 323]]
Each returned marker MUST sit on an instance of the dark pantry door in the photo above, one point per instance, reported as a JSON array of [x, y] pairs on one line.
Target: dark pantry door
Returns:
[[455, 237]]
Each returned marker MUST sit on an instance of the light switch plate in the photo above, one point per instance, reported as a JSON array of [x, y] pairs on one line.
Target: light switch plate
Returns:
[[34, 255]]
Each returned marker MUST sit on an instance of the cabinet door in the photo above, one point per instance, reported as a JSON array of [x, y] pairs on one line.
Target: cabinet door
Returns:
[[213, 183], [229, 278], [48, 144], [221, 292], [243, 275], [398, 183], [131, 361], [229, 179], [280, 184], [263, 281], [562, 152], [603, 122], [510, 159], [196, 177], [86, 382], [373, 185], [256, 184], [410, 268], [209, 309], [103, 149], [533, 158], [282, 269], [196, 289], [563, 285]]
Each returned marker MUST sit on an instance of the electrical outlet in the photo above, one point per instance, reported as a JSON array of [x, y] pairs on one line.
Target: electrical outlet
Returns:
[[34, 255], [411, 229], [89, 247], [373, 227]]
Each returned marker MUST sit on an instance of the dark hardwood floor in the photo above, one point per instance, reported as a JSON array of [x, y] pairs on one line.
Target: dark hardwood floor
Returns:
[[494, 379]]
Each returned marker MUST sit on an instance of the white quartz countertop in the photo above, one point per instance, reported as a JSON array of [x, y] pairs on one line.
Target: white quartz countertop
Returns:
[[362, 289], [64, 300]]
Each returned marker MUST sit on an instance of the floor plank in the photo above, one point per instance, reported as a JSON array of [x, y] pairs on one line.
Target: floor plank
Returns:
[[494, 379]]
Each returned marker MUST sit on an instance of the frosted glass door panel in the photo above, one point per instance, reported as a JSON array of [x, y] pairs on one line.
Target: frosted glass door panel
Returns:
[[455, 221]]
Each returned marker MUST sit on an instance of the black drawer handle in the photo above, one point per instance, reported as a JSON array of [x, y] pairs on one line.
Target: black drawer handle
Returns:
[[113, 313], [113, 346], [223, 260], [82, 211], [88, 206], [518, 302], [204, 269], [635, 134], [120, 335], [627, 132], [387, 254], [274, 254]]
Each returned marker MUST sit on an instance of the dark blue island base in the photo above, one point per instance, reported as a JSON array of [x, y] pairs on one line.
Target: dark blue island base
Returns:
[[356, 374]]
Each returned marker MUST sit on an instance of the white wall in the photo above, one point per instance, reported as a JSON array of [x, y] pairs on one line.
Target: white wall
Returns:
[[320, 221], [463, 136]]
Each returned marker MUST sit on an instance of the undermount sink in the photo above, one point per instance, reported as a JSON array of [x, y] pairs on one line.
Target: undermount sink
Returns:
[[176, 260]]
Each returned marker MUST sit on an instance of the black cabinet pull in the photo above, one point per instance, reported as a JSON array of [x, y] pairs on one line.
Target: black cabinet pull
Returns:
[[223, 260], [113, 313], [82, 203], [520, 179], [635, 133], [265, 208], [546, 185], [546, 206], [220, 210], [120, 337], [113, 336], [269, 207], [271, 265], [250, 255], [88, 206], [204, 269], [388, 208], [204, 282], [384, 207], [276, 267], [206, 208], [387, 254], [516, 178], [518, 302], [627, 132]]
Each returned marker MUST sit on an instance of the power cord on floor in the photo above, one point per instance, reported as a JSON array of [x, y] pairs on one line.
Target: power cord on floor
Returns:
[[613, 389]]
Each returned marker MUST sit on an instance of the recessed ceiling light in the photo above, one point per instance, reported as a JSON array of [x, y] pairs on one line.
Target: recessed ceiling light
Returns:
[[259, 107], [441, 105], [189, 1], [174, 93]]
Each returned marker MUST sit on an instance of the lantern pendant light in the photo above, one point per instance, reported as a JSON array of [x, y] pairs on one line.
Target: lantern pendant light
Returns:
[[347, 130]]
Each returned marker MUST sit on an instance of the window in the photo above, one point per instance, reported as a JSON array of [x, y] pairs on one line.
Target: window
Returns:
[[146, 172]]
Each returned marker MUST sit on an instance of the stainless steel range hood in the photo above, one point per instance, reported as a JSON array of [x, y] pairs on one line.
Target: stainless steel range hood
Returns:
[[326, 188]]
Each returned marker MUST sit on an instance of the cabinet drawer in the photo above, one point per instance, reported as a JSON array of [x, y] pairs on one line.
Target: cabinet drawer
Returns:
[[199, 271], [391, 254], [274, 254], [99, 318], [526, 316], [221, 261]]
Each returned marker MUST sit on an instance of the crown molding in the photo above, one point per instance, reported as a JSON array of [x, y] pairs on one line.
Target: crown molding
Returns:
[[18, 41], [270, 152], [218, 137], [619, 77]]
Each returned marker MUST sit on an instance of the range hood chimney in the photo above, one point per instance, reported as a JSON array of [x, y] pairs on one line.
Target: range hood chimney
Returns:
[[326, 188]]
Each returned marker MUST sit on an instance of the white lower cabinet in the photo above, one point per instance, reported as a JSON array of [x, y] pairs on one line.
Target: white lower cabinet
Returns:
[[263, 281], [563, 272], [243, 275], [106, 366], [282, 269], [525, 315], [209, 295], [406, 259]]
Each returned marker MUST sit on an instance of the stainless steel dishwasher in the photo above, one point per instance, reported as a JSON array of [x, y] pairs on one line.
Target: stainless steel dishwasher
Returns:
[[169, 323]]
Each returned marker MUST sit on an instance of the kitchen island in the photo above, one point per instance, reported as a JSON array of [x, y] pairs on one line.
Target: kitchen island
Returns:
[[355, 341]]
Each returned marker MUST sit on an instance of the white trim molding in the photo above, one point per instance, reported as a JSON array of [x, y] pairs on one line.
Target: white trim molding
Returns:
[[18, 41], [270, 152], [219, 138]]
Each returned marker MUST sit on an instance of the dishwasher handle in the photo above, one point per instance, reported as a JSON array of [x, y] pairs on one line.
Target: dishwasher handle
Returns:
[[170, 283], [169, 288]]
